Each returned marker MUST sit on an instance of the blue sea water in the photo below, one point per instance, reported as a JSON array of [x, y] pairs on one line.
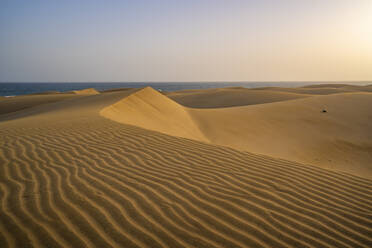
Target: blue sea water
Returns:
[[14, 89]]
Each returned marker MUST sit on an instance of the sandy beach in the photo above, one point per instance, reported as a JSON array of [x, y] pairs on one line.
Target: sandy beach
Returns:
[[229, 167]]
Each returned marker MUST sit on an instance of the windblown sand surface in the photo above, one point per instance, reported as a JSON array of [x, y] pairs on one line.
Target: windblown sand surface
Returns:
[[323, 89], [89, 91], [133, 168], [230, 97], [297, 130], [13, 104]]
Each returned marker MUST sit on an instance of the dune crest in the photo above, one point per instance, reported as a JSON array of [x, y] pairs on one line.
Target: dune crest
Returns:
[[230, 97], [295, 130], [321, 89], [18, 103], [69, 177], [89, 91], [149, 109], [339, 139]]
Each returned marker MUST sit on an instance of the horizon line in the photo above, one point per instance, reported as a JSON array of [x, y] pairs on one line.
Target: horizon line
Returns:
[[250, 81]]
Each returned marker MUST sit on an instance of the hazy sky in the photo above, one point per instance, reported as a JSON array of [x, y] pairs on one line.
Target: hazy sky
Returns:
[[185, 40]]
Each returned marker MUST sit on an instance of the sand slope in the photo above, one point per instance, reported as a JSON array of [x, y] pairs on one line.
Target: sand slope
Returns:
[[13, 104], [89, 91], [321, 89], [70, 177], [229, 97], [150, 109], [297, 130], [340, 139]]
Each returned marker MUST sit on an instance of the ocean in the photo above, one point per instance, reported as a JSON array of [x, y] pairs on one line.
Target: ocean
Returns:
[[15, 89]]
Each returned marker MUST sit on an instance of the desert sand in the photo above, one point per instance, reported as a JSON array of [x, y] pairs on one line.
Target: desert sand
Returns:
[[227, 167]]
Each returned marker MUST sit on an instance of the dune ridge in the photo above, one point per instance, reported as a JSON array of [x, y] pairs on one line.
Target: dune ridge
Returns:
[[230, 97], [70, 177], [296, 130], [321, 89], [150, 109], [339, 139], [89, 91], [18, 103]]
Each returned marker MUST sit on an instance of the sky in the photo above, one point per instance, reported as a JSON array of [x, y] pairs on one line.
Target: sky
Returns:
[[185, 40]]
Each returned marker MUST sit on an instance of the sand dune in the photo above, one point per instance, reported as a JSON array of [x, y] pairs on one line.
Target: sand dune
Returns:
[[13, 104], [89, 91], [340, 139], [312, 91], [70, 177], [297, 130], [342, 86], [322, 89], [329, 86], [115, 90], [229, 97], [52, 92], [150, 109]]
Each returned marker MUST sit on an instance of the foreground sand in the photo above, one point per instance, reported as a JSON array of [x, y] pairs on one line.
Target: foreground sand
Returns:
[[103, 171]]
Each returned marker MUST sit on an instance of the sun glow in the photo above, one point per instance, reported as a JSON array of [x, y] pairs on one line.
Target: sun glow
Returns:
[[363, 21]]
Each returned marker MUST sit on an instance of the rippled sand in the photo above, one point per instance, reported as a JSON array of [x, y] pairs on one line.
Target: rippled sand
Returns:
[[134, 168]]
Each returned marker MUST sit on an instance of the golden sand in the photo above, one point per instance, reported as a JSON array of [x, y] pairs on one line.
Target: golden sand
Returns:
[[134, 168]]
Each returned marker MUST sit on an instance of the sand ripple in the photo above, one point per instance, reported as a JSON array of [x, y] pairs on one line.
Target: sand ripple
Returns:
[[97, 183]]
